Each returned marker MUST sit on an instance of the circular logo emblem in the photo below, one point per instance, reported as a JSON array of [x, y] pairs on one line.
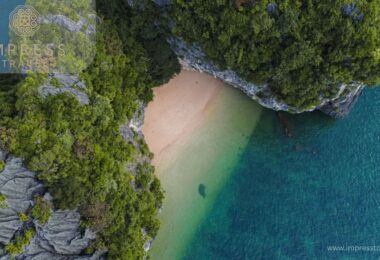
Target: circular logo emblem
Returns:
[[24, 20]]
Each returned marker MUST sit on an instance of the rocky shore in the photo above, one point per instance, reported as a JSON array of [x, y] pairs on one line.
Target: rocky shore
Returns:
[[193, 58]]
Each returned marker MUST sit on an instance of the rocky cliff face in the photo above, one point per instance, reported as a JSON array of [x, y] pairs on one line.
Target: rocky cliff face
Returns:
[[193, 58], [65, 84]]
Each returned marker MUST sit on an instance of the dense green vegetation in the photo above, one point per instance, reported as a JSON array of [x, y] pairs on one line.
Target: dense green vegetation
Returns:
[[78, 151], [145, 24], [79, 154], [302, 48], [41, 211]]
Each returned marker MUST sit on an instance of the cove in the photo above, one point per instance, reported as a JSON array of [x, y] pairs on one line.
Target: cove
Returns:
[[194, 170]]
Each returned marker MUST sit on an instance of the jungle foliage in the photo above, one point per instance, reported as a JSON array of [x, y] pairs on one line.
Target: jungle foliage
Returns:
[[77, 150], [303, 49]]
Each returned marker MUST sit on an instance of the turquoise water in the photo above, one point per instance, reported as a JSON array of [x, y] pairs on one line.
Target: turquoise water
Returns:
[[291, 198], [6, 7]]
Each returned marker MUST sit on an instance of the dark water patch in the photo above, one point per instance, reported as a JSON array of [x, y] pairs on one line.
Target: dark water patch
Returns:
[[202, 190], [292, 198]]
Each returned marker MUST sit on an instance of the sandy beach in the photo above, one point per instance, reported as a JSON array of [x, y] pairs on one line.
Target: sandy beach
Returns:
[[197, 127], [179, 107]]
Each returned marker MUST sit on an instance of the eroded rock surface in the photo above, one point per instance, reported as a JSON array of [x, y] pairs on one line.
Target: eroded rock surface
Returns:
[[59, 238], [19, 186], [66, 84], [193, 58]]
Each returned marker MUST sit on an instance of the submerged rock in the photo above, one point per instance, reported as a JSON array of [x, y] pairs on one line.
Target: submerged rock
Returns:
[[202, 190]]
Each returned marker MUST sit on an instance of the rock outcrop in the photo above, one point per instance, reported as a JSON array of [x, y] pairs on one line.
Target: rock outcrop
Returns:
[[19, 186], [58, 83], [134, 125], [342, 106], [59, 238], [193, 58], [64, 22]]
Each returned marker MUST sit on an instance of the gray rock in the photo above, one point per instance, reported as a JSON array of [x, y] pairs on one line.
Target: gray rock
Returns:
[[162, 2], [137, 121], [272, 7], [69, 84], [3, 155], [342, 106], [70, 25], [19, 185], [351, 10], [59, 238], [134, 125], [139, 4], [193, 58]]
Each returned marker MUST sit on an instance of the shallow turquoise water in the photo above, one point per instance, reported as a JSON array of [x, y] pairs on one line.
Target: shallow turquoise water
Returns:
[[291, 198]]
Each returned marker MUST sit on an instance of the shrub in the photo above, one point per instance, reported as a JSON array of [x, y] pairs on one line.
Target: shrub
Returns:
[[23, 217], [2, 165], [17, 247], [41, 211], [3, 201]]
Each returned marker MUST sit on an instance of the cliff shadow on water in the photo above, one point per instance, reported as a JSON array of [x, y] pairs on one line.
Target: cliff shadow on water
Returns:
[[299, 197]]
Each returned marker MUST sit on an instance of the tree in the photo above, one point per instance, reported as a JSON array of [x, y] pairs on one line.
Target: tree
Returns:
[[303, 49]]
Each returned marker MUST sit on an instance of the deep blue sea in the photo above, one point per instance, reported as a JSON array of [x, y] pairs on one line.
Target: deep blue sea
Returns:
[[292, 198]]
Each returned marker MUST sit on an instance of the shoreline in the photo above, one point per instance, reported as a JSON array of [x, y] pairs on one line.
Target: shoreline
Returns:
[[197, 127], [179, 108]]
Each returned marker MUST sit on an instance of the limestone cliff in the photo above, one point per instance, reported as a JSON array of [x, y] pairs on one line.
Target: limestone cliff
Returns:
[[192, 57]]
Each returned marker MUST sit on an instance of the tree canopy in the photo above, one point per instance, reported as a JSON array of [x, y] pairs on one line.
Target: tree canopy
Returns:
[[77, 150], [303, 49]]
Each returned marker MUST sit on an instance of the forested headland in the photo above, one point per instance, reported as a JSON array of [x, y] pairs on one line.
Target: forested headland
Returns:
[[77, 150], [302, 49]]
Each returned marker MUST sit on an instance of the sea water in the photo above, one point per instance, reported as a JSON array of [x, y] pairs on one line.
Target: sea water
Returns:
[[313, 196], [6, 7], [194, 176]]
